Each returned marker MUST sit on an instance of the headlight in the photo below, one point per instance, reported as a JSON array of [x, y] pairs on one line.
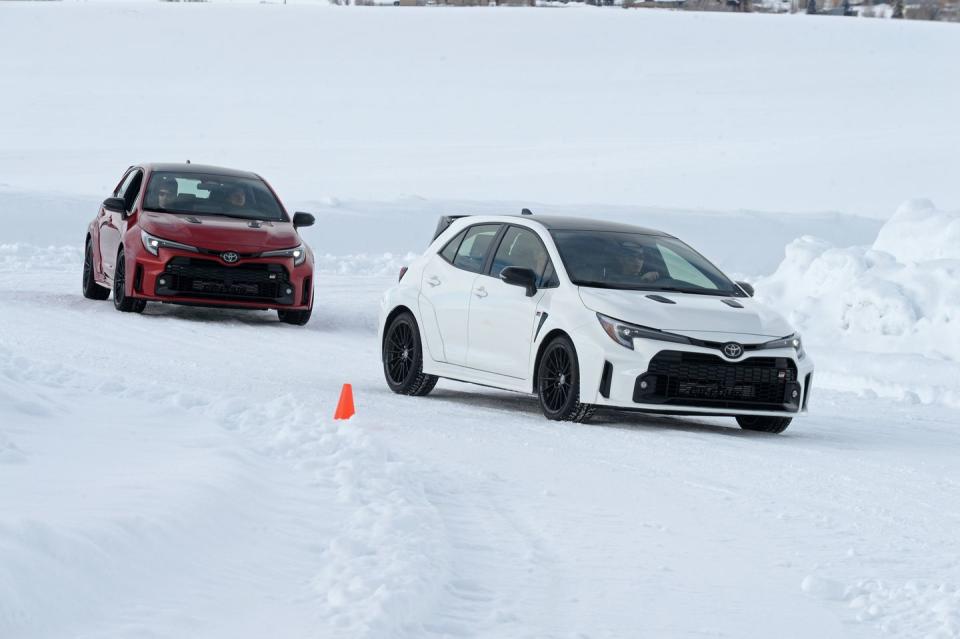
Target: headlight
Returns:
[[298, 253], [154, 244], [624, 334], [793, 341]]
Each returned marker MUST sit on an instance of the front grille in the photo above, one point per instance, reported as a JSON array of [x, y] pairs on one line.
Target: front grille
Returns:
[[192, 277], [708, 381]]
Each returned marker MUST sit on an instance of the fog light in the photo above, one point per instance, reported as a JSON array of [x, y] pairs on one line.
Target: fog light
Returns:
[[163, 282], [289, 291], [643, 385], [795, 394]]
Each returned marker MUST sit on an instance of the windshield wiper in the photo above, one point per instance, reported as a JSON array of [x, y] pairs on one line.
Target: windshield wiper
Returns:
[[692, 291], [599, 284]]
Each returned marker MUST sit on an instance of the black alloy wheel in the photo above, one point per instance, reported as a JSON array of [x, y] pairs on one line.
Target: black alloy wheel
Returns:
[[558, 383], [121, 301], [403, 358], [91, 290], [764, 424]]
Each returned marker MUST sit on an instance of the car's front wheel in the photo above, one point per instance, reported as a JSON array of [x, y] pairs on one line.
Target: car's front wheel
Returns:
[[297, 318], [121, 301], [91, 290], [403, 358], [764, 424], [558, 383]]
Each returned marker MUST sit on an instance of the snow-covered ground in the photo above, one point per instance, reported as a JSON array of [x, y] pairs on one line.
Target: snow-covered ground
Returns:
[[179, 474]]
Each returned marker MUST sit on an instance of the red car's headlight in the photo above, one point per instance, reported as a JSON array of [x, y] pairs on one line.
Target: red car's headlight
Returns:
[[298, 253]]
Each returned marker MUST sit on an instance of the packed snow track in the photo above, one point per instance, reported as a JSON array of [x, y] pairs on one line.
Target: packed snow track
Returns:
[[179, 474]]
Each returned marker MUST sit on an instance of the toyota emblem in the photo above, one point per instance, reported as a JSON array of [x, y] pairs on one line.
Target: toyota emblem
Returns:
[[229, 257], [732, 350]]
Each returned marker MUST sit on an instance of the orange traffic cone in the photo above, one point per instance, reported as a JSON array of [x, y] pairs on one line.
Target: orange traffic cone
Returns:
[[345, 405]]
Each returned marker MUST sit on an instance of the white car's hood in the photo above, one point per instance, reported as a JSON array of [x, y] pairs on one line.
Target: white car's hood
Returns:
[[701, 316]]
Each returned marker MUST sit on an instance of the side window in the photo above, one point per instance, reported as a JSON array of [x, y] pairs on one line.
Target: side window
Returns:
[[450, 250], [682, 270], [124, 183], [521, 247], [473, 250], [132, 190]]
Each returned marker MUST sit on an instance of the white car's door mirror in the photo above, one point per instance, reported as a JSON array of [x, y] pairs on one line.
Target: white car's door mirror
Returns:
[[747, 288], [517, 276]]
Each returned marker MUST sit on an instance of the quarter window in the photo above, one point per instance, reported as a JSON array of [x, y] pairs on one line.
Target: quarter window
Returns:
[[449, 251], [473, 249]]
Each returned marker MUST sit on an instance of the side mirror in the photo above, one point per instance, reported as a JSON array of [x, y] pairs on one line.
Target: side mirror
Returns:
[[115, 204], [747, 288], [303, 219], [518, 276]]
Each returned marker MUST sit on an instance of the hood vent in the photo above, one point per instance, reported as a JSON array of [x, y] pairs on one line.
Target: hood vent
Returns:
[[193, 220], [661, 299], [732, 303], [254, 224]]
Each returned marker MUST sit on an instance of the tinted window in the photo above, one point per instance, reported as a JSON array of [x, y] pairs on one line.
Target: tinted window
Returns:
[[521, 248], [610, 259], [132, 190], [450, 250], [209, 194], [124, 183], [473, 249]]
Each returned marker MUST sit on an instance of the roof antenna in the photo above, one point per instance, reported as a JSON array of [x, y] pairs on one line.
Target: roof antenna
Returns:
[[188, 161], [526, 212]]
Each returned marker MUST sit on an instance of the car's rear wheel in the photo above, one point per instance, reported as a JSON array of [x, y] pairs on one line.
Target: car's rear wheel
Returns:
[[297, 318], [91, 290], [764, 424], [558, 383], [121, 301], [403, 358]]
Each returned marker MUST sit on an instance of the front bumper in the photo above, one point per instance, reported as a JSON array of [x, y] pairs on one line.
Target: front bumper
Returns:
[[675, 378], [181, 277]]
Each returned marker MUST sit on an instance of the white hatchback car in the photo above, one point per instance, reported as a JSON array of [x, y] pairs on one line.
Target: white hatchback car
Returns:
[[589, 314]]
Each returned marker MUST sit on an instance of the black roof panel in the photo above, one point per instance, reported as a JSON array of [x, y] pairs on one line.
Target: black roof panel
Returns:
[[564, 223], [198, 168]]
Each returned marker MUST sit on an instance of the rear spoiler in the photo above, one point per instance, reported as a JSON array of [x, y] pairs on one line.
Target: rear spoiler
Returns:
[[444, 222]]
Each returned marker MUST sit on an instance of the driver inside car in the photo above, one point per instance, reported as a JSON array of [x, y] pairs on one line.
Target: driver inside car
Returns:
[[637, 265], [167, 193], [237, 197]]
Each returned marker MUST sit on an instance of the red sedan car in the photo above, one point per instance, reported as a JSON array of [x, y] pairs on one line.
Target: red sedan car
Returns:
[[198, 235]]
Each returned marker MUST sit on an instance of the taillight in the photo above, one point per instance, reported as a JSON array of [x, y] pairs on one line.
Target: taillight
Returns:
[[403, 271]]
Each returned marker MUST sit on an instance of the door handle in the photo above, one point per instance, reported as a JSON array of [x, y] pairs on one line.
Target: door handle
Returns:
[[434, 281], [480, 292]]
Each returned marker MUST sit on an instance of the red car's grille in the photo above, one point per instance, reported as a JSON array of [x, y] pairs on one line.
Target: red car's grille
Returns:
[[191, 277]]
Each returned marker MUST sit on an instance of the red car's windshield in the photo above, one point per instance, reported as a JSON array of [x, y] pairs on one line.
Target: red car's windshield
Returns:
[[210, 194]]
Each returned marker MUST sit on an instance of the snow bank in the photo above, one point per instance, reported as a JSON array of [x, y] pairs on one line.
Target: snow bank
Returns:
[[900, 296]]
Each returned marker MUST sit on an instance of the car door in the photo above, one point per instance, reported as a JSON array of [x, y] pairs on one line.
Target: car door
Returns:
[[445, 292], [502, 318], [110, 223]]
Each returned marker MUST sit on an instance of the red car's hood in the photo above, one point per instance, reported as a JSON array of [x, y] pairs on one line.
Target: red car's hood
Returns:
[[220, 233]]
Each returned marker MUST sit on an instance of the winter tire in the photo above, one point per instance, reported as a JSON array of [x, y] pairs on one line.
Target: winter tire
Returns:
[[403, 358], [121, 301], [91, 290], [558, 383], [764, 424], [297, 318]]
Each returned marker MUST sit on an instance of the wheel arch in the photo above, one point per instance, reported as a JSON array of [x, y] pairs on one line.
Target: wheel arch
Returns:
[[398, 310], [549, 337]]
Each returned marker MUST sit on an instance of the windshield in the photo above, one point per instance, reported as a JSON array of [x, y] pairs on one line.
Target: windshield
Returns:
[[210, 194], [634, 261]]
